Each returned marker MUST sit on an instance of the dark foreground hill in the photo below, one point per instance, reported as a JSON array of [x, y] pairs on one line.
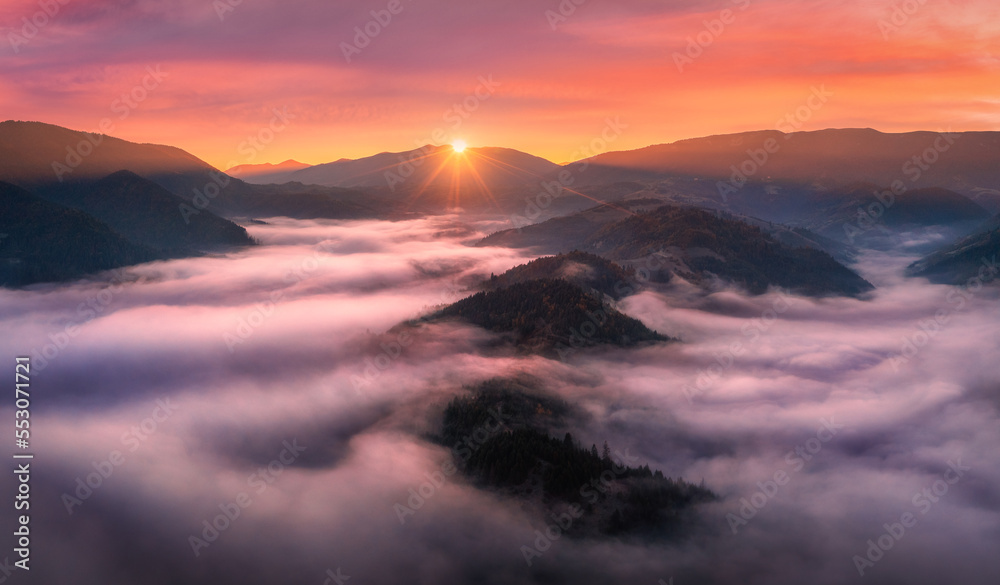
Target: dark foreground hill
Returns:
[[592, 492], [41, 241], [148, 214]]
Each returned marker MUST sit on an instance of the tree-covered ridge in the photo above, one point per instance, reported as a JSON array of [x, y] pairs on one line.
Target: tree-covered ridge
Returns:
[[585, 270], [524, 460], [45, 242], [962, 263], [549, 315], [730, 249]]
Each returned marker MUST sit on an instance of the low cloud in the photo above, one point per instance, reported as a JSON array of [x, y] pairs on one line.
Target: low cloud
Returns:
[[307, 371]]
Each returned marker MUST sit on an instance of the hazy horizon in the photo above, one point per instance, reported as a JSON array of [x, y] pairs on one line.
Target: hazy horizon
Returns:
[[656, 66]]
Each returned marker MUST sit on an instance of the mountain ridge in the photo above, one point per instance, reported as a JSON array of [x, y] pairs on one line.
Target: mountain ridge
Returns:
[[40, 157], [41, 241], [695, 243], [148, 214], [959, 161]]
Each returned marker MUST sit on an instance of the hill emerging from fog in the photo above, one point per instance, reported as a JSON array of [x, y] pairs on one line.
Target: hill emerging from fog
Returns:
[[587, 271], [551, 475], [697, 245], [548, 316]]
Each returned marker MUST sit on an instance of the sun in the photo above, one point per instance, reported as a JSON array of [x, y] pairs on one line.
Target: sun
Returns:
[[459, 146]]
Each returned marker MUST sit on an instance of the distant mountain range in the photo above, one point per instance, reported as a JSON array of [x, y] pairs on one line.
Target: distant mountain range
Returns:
[[42, 157], [427, 167], [813, 180], [858, 186], [263, 174], [964, 162], [830, 190]]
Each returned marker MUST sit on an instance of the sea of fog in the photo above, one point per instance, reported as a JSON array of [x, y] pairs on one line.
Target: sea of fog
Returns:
[[850, 441]]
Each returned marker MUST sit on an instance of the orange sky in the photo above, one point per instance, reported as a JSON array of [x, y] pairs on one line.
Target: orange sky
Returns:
[[552, 91]]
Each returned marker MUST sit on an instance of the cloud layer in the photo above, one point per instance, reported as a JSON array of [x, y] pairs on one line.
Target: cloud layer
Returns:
[[204, 373]]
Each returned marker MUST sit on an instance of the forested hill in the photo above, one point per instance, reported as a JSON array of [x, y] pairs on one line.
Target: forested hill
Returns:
[[549, 317], [45, 242], [733, 250], [611, 491], [697, 244], [150, 215], [585, 270], [974, 257]]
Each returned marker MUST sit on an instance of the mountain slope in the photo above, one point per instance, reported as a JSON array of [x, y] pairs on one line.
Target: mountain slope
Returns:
[[733, 250], [261, 174], [587, 271], [934, 206], [974, 257], [697, 243], [559, 234], [548, 316], [39, 156], [964, 162], [33, 153], [300, 201], [522, 460], [430, 166], [837, 215], [147, 214], [43, 242]]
